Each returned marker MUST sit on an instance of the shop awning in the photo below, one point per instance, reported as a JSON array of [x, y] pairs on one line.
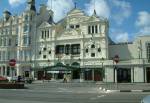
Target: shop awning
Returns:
[[61, 67]]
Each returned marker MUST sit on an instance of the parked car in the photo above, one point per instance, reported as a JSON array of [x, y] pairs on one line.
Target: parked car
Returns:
[[16, 79], [28, 80], [3, 79], [146, 99]]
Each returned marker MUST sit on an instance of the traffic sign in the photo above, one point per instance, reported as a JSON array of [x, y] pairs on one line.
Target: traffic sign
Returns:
[[12, 62], [116, 59]]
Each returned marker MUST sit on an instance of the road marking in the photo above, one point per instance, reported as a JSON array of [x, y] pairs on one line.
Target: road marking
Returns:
[[62, 88], [100, 96]]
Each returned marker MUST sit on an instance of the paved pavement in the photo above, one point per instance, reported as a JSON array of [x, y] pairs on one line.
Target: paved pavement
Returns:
[[51, 92], [143, 87]]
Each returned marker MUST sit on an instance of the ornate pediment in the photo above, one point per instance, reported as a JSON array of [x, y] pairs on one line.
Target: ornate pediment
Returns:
[[44, 24], [72, 33]]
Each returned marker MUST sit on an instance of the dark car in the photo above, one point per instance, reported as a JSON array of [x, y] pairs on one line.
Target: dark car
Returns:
[[146, 99]]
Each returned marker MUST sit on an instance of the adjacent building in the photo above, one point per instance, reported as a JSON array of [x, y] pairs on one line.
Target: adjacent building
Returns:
[[77, 47]]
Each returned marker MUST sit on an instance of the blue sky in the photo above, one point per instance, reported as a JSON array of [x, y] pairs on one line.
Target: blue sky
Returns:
[[127, 18]]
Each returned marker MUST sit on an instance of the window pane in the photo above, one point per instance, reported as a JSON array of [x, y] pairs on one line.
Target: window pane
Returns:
[[89, 30], [92, 29], [96, 29]]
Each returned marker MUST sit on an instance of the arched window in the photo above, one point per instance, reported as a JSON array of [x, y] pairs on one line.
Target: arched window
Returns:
[[99, 49], [92, 46], [26, 18], [25, 28]]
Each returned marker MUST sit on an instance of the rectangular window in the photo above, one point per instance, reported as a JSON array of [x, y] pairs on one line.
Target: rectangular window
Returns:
[[1, 41], [16, 30], [89, 29], [96, 31], [16, 41], [67, 49], [148, 52], [25, 28], [45, 34], [5, 42], [44, 56], [9, 41], [44, 49], [4, 55], [77, 26], [25, 40], [48, 34], [0, 56], [8, 55], [59, 49], [42, 34], [8, 71], [72, 26], [92, 54], [92, 29], [75, 49]]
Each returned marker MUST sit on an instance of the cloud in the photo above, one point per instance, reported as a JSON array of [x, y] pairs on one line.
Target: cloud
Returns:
[[60, 8], [119, 35], [123, 9], [143, 22], [101, 7], [15, 3], [143, 19], [122, 37]]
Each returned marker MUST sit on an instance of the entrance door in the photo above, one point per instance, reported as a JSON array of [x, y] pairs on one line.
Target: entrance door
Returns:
[[88, 74], [97, 75], [76, 74], [40, 75], [148, 74], [123, 75]]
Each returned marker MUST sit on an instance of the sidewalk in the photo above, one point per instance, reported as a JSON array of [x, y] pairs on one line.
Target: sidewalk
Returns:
[[125, 87], [121, 87]]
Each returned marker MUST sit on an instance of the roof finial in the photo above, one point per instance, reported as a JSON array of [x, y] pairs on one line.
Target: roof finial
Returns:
[[94, 8], [94, 12], [75, 5]]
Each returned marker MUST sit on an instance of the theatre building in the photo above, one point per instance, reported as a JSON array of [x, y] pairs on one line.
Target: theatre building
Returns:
[[77, 47]]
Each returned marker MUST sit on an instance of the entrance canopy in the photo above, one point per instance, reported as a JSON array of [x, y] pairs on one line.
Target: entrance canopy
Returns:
[[61, 67]]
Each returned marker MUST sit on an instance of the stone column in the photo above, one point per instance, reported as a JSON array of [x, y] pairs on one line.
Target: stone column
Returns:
[[115, 75], [93, 74]]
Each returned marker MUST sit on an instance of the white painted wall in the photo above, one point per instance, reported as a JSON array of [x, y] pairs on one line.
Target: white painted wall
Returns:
[[138, 74], [109, 74]]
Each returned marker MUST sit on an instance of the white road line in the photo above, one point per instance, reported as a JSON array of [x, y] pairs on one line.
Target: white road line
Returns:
[[100, 96]]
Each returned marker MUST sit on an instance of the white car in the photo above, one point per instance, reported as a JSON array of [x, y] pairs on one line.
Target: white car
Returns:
[[146, 99]]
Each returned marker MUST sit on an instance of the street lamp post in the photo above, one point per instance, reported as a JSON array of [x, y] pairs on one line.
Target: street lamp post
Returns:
[[103, 72], [116, 60]]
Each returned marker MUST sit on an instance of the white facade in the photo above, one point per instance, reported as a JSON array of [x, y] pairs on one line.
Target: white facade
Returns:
[[78, 42]]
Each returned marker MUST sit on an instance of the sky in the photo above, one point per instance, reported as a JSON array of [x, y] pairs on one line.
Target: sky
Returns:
[[127, 18]]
